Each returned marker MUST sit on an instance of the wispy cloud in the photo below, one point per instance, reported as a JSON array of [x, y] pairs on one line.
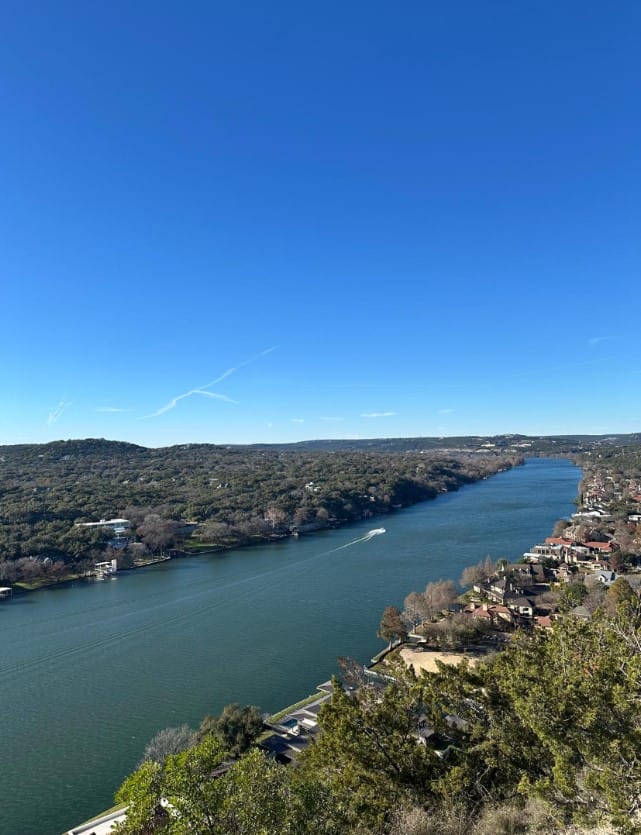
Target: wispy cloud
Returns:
[[595, 340], [445, 411], [56, 414], [110, 409], [297, 420], [203, 390], [377, 414]]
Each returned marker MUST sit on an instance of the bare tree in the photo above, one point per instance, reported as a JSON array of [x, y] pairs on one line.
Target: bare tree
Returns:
[[488, 567], [474, 574], [414, 609], [213, 532], [157, 533], [471, 576], [438, 596], [560, 527], [166, 742], [276, 517], [135, 515], [8, 571], [302, 515]]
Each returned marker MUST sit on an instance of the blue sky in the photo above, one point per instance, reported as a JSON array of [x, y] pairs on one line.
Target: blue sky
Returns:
[[255, 222]]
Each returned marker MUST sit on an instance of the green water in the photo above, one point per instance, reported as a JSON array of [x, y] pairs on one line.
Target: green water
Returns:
[[89, 673]]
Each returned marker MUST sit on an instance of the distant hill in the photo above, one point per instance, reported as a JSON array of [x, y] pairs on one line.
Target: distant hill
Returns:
[[538, 443]]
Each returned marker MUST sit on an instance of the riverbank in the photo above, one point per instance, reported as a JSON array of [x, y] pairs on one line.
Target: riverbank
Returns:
[[286, 743], [193, 549], [56, 495], [70, 579], [89, 679]]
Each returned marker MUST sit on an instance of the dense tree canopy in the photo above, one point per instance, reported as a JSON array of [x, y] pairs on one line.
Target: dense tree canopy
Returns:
[[229, 495], [202, 791], [236, 727]]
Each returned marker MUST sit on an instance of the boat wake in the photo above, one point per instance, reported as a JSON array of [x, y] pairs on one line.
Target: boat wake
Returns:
[[375, 532], [369, 535], [204, 600]]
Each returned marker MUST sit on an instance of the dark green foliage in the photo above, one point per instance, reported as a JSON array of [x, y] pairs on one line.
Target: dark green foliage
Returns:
[[236, 727], [545, 734], [392, 627], [619, 594], [573, 594], [201, 791], [554, 716], [368, 756], [239, 495]]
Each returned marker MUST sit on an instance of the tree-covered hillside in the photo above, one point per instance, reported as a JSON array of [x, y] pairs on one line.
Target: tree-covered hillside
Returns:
[[530, 444], [235, 495]]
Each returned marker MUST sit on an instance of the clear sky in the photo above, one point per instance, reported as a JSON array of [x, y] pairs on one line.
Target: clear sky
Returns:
[[255, 222]]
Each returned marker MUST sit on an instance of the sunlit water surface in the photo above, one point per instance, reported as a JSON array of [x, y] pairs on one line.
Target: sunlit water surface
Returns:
[[89, 673]]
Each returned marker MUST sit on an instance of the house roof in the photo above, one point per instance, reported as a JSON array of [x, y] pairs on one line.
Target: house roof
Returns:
[[313, 709], [276, 744], [519, 600], [544, 621]]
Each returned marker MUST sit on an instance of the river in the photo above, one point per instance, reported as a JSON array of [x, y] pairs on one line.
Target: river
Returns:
[[90, 672]]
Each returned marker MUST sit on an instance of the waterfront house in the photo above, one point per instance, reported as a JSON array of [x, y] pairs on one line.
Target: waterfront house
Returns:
[[520, 604], [496, 590], [599, 548], [118, 526]]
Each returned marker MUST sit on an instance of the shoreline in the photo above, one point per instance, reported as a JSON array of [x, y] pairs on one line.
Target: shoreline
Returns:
[[299, 704], [176, 553], [19, 590], [337, 524]]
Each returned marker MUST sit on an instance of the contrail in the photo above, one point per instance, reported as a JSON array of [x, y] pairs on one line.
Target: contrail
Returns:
[[56, 413], [235, 368], [174, 401], [202, 390]]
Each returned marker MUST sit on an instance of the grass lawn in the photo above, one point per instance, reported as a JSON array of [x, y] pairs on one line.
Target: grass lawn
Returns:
[[276, 717], [44, 582], [194, 547], [115, 808]]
